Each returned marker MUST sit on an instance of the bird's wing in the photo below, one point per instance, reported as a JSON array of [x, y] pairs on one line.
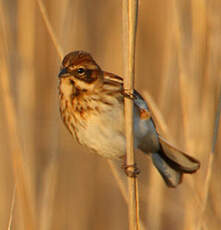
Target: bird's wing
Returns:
[[136, 97], [113, 78]]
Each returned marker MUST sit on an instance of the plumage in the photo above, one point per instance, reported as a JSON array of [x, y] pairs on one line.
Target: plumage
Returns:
[[92, 108]]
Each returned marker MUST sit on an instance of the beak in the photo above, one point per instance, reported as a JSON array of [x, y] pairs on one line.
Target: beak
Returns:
[[63, 73]]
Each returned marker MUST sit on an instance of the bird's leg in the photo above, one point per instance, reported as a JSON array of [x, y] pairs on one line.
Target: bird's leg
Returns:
[[130, 170]]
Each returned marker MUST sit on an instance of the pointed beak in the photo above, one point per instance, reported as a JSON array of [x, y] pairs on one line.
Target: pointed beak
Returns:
[[63, 73]]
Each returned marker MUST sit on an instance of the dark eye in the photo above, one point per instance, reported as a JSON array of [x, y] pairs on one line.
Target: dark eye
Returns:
[[81, 71], [72, 82]]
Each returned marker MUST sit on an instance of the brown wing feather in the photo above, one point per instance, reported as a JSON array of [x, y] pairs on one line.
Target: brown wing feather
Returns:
[[138, 99]]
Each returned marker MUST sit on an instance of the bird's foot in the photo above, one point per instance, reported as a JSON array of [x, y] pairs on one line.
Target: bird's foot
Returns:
[[126, 93], [131, 170]]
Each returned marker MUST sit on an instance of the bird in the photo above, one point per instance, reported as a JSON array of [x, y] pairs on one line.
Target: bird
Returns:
[[91, 103]]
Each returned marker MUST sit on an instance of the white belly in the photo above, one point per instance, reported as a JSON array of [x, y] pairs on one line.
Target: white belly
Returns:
[[105, 134]]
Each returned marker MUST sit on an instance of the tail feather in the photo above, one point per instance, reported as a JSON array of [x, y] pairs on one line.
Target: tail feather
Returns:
[[172, 163], [171, 176], [179, 160]]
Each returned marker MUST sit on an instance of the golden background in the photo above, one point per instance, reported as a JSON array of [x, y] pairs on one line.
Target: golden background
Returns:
[[59, 184]]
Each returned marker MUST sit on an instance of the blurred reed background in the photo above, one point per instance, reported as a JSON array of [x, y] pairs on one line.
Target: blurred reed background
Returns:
[[59, 185]]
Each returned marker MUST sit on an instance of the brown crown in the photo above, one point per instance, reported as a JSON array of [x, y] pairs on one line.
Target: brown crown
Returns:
[[77, 57]]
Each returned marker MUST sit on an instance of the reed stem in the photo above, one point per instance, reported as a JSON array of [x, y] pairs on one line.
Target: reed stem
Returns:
[[130, 10]]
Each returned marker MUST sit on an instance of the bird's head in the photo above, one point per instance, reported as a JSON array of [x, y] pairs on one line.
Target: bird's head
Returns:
[[79, 70]]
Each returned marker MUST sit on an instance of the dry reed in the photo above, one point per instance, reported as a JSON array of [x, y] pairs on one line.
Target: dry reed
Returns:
[[130, 12], [199, 224], [50, 29], [12, 208], [20, 172]]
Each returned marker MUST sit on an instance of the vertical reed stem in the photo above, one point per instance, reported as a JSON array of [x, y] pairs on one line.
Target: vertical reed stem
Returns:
[[12, 208], [50, 29], [20, 172], [210, 166], [130, 8]]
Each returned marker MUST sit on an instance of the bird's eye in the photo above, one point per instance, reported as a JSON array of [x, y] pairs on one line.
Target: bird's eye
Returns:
[[81, 71]]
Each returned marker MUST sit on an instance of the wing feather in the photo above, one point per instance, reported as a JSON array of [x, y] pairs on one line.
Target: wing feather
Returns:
[[138, 99]]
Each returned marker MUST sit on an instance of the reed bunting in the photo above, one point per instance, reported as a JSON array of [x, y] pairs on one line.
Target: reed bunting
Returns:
[[92, 108]]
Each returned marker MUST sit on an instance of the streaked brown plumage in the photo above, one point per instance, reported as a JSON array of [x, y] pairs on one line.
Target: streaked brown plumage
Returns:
[[92, 108]]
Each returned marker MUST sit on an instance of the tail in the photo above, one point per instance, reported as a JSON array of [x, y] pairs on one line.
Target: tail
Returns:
[[172, 163]]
